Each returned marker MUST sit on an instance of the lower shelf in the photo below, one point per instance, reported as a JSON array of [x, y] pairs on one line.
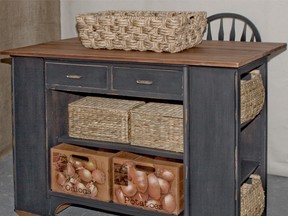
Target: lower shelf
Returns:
[[58, 199]]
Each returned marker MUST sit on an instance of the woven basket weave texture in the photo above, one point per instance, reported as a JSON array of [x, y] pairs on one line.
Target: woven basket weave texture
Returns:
[[252, 197], [252, 96], [159, 31], [98, 118], [158, 125]]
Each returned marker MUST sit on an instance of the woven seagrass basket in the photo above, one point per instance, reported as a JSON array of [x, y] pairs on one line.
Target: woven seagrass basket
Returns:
[[159, 31], [158, 125], [252, 197], [252, 96], [103, 119]]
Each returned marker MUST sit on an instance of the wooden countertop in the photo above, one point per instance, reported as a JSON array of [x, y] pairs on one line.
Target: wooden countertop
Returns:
[[208, 53]]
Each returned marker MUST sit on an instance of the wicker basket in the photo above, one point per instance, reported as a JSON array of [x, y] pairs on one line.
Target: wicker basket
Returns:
[[142, 30], [158, 125], [252, 96], [252, 197], [99, 118]]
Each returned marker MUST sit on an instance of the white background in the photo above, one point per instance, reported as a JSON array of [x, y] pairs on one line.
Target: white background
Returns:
[[270, 17]]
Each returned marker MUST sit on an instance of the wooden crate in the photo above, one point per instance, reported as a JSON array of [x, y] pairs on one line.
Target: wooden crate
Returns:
[[158, 125], [148, 183], [81, 172], [98, 118]]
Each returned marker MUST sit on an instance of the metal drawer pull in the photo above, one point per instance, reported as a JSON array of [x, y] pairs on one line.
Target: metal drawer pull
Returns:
[[73, 76], [144, 82]]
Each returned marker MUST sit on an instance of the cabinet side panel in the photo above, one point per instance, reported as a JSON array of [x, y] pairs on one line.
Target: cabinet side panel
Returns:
[[29, 135], [213, 143]]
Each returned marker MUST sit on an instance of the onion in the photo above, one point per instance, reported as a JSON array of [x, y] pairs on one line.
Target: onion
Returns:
[[169, 203], [98, 176], [60, 178], [81, 188], [93, 189], [85, 174], [76, 163], [74, 180], [70, 170], [129, 190], [154, 190], [90, 165]]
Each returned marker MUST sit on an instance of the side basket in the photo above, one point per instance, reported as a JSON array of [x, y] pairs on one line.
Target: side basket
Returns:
[[252, 197], [252, 96]]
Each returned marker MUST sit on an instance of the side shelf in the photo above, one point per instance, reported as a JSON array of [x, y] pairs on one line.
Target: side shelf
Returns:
[[114, 208]]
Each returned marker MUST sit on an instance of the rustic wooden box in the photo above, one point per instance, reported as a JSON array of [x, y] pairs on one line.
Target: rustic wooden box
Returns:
[[158, 125], [81, 172], [99, 118], [148, 183]]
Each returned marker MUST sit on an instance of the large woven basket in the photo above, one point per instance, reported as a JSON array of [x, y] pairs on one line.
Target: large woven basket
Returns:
[[252, 197], [98, 118], [141, 30], [252, 96], [158, 125]]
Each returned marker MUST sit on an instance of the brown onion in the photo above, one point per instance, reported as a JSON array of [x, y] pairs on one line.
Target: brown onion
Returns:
[[85, 174], [90, 165], [74, 180], [76, 163], [60, 178], [154, 190], [70, 170], [93, 189], [80, 188], [169, 203], [98, 176], [129, 190]]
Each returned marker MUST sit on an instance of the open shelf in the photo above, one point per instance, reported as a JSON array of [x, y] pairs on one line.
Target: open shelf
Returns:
[[121, 147], [107, 206]]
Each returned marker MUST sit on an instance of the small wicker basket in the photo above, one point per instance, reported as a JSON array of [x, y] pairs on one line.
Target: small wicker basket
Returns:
[[104, 119], [142, 30], [252, 197], [252, 96], [158, 125]]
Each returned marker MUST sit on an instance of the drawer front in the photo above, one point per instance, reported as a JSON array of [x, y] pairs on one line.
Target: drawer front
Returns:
[[158, 81], [77, 75]]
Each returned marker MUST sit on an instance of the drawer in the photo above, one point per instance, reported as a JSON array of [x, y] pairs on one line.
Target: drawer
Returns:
[[149, 80], [76, 75]]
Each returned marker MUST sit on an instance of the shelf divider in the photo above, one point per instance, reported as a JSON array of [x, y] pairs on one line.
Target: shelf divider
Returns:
[[248, 167], [121, 147]]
